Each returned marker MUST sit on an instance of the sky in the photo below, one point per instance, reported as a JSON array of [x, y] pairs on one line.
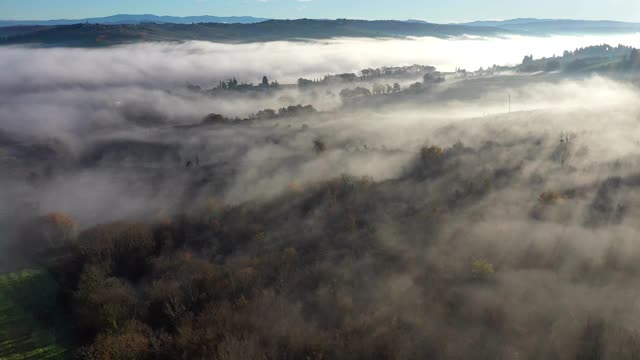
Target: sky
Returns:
[[430, 10]]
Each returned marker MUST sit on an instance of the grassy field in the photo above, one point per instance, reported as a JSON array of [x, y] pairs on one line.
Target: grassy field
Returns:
[[31, 326]]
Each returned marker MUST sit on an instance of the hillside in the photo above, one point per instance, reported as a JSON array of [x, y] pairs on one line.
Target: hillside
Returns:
[[592, 59], [124, 29], [560, 26], [272, 30], [136, 19]]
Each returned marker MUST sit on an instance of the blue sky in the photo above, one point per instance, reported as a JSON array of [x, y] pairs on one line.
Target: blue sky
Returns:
[[432, 10]]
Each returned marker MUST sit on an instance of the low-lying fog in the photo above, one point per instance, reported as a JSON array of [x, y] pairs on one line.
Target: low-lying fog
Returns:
[[532, 179], [162, 64], [71, 140]]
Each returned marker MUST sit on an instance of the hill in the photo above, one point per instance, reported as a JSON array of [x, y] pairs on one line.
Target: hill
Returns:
[[593, 59], [559, 26], [271, 30], [136, 19]]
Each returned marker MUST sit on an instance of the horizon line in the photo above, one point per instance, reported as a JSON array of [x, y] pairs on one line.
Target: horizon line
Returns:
[[330, 19]]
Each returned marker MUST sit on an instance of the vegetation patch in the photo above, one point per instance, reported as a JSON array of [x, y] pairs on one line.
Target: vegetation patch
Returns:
[[31, 324]]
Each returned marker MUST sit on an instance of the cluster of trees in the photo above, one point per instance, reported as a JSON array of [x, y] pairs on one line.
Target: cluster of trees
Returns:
[[343, 269], [370, 74], [379, 89], [366, 75], [528, 60], [603, 50], [632, 61], [395, 71], [593, 58], [182, 288], [359, 91], [289, 111], [329, 79], [430, 78], [232, 84], [266, 114], [596, 51], [433, 78]]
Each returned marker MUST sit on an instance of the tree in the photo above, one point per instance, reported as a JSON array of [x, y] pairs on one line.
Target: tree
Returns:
[[266, 114], [265, 82], [213, 119], [415, 86], [319, 146], [552, 65], [378, 89], [433, 77], [232, 84], [103, 302], [352, 93], [633, 61], [528, 60], [304, 82]]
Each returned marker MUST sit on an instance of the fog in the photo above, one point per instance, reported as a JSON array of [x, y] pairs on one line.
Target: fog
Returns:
[[544, 188], [72, 99], [162, 64]]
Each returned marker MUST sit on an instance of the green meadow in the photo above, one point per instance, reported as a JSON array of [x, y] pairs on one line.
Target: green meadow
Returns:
[[31, 325]]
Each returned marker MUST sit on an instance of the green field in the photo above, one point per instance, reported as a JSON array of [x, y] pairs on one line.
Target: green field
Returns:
[[31, 325]]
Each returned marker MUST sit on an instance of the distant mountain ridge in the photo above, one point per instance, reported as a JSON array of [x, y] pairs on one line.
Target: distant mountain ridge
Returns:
[[122, 19], [125, 29], [87, 35], [557, 26]]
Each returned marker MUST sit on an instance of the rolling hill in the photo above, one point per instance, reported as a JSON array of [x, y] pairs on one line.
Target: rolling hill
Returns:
[[271, 30], [137, 19], [559, 26], [123, 29]]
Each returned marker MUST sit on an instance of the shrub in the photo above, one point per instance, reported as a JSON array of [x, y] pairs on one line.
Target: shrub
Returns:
[[431, 152], [482, 269], [296, 110], [319, 146], [551, 198], [266, 114], [211, 119]]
